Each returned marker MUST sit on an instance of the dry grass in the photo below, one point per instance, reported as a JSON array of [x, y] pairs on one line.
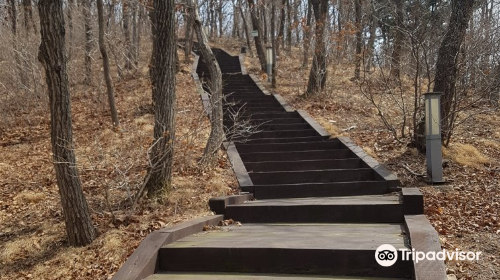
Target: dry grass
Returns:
[[465, 155]]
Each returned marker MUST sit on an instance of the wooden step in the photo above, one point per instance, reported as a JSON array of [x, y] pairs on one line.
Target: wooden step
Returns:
[[316, 176], [280, 147], [282, 140], [321, 249], [346, 209], [317, 189], [284, 134], [298, 155], [301, 165], [247, 276]]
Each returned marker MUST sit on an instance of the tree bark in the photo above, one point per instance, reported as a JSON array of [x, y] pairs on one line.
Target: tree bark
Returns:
[[162, 73], [52, 54], [17, 58], [273, 43], [88, 41], [307, 34], [28, 16], [318, 74], [245, 28], [71, 6], [398, 41], [135, 33], [289, 29], [359, 42], [258, 40], [281, 29], [446, 65], [105, 65], [215, 90], [126, 33], [371, 40]]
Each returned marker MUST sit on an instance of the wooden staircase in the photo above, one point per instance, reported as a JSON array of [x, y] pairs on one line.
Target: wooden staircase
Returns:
[[311, 207]]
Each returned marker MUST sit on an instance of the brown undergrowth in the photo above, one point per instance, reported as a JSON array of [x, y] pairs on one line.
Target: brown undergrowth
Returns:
[[112, 165]]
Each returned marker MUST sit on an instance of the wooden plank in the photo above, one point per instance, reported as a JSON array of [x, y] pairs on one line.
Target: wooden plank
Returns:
[[247, 276], [424, 238], [321, 131], [238, 166], [413, 201], [381, 170], [144, 260], [219, 204]]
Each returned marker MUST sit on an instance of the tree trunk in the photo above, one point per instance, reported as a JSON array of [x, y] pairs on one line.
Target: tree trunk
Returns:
[[88, 41], [28, 16], [162, 73], [52, 54], [215, 87], [281, 29], [317, 76], [258, 40], [105, 65], [17, 58], [446, 65], [126, 33], [296, 9], [273, 42], [359, 42], [289, 29], [187, 36], [264, 22], [71, 6], [245, 28], [221, 19], [398, 41], [236, 22], [371, 40], [135, 33], [307, 34]]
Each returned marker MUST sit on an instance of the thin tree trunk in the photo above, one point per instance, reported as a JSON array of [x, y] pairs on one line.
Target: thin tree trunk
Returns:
[[88, 42], [28, 16], [52, 54], [17, 58], [236, 22], [258, 40], [126, 34], [71, 6], [307, 34], [318, 74], [105, 65], [296, 21], [187, 36], [135, 33], [281, 29], [162, 73], [398, 41], [273, 42], [359, 42], [245, 28], [289, 29], [371, 40], [264, 22], [221, 19]]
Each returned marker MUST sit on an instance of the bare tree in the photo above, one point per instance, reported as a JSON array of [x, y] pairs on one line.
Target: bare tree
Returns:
[[87, 5], [398, 40], [245, 28], [162, 74], [215, 88], [105, 65], [259, 45], [317, 76], [17, 58], [447, 63], [359, 42], [126, 33], [52, 54]]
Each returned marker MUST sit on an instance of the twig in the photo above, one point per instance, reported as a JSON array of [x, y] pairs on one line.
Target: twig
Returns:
[[411, 171]]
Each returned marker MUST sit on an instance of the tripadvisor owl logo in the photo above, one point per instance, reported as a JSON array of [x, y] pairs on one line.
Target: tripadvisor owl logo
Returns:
[[386, 255]]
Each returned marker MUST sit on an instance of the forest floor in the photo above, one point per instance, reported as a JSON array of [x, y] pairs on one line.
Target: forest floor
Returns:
[[112, 165]]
